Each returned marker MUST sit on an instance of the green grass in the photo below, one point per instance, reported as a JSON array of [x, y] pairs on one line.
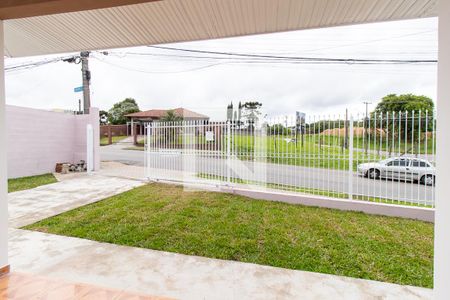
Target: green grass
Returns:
[[232, 227], [104, 140], [317, 151], [311, 191], [26, 183]]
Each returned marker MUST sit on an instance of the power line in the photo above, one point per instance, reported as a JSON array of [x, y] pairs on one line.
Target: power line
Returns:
[[230, 58], [155, 72], [259, 59], [299, 58], [371, 41], [35, 64]]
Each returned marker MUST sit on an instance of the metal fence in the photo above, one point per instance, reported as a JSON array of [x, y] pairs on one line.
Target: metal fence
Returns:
[[385, 157]]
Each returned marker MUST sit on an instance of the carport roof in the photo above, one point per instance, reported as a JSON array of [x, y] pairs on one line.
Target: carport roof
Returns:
[[159, 113], [106, 25]]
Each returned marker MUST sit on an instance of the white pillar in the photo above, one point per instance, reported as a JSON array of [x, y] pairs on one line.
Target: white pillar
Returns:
[[89, 148], [442, 217], [3, 173]]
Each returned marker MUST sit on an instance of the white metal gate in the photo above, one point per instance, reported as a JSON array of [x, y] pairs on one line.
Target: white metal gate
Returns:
[[328, 156]]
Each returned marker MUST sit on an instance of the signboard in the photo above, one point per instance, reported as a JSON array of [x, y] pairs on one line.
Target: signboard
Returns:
[[209, 136], [78, 89]]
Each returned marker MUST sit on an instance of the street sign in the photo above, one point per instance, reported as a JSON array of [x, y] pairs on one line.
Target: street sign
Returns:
[[78, 89]]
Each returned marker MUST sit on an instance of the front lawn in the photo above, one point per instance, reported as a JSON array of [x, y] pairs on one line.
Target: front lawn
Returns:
[[26, 183], [166, 217]]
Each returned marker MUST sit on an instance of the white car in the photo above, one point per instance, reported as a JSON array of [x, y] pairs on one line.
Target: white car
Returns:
[[400, 168]]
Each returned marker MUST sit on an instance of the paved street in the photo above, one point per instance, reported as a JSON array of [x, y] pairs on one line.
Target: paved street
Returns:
[[285, 175]]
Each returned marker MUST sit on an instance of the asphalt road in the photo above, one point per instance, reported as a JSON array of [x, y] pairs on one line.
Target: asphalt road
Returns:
[[285, 175]]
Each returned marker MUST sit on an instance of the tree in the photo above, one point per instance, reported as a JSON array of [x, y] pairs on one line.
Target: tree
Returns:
[[103, 115], [230, 111], [116, 115], [399, 115], [171, 116], [252, 113], [171, 133], [402, 103], [278, 129]]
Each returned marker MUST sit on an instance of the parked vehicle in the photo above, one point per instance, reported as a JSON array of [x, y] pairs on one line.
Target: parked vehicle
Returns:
[[400, 168]]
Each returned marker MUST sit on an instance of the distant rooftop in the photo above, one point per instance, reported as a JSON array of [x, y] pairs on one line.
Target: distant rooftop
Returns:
[[159, 113]]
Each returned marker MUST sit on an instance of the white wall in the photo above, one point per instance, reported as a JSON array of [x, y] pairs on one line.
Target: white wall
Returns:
[[3, 177], [442, 214], [38, 139]]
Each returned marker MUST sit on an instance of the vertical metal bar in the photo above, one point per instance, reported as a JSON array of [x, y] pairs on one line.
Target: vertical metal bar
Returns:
[[433, 146], [406, 150], [350, 161], [228, 155], [380, 122]]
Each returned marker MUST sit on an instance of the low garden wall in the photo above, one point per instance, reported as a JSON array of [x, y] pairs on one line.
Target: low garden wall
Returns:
[[116, 130], [38, 139]]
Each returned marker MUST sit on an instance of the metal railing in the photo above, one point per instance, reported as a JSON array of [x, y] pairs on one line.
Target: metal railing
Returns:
[[385, 157]]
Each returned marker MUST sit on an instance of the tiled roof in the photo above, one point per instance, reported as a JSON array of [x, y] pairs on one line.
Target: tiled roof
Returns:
[[159, 113]]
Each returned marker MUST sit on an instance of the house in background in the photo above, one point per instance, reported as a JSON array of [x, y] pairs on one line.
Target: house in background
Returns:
[[139, 119]]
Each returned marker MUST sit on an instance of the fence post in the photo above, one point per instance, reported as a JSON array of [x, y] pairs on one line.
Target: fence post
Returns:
[[228, 152], [135, 135], [350, 160], [109, 134]]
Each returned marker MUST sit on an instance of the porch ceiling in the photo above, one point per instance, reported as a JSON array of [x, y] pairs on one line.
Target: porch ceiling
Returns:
[[170, 21]]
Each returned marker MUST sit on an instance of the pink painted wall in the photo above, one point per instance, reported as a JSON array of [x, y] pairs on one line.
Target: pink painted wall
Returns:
[[38, 139]]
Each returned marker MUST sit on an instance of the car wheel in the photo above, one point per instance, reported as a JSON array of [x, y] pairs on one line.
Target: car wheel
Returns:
[[427, 180], [373, 174]]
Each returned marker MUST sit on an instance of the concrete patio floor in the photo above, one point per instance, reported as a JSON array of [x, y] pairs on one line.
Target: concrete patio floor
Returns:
[[156, 272], [182, 276]]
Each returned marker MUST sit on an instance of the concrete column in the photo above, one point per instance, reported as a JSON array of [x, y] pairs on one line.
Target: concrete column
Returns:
[[3, 168], [132, 127], [442, 215]]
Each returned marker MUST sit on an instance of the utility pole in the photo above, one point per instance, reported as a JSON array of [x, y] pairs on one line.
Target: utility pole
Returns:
[[86, 81], [367, 108], [83, 58], [366, 123]]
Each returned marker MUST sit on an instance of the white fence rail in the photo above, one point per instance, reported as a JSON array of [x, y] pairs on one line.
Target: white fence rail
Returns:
[[382, 157]]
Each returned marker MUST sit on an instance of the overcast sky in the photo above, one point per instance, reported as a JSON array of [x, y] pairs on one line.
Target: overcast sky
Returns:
[[163, 79]]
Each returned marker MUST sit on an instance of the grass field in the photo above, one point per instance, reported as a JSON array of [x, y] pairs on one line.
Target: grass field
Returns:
[[104, 140], [26, 183], [231, 227], [315, 151]]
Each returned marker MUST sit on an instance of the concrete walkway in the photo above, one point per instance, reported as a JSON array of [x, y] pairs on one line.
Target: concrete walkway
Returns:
[[182, 276], [74, 190]]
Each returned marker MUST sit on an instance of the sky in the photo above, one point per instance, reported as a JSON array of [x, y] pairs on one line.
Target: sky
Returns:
[[163, 79]]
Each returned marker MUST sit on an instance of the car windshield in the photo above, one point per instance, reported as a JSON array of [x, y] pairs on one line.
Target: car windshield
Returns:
[[385, 161]]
